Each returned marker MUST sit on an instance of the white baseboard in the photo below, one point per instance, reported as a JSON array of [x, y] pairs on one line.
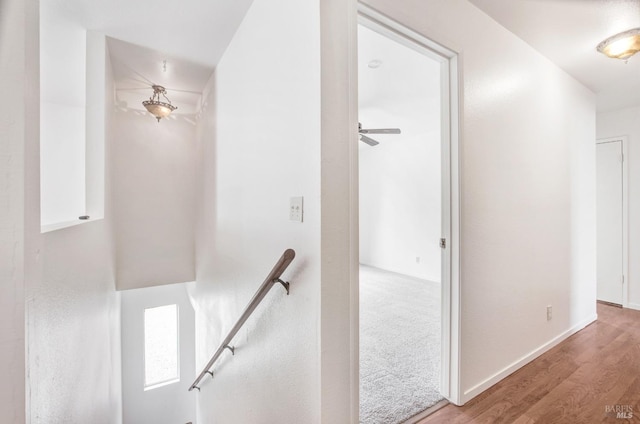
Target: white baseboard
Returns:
[[484, 385], [635, 306]]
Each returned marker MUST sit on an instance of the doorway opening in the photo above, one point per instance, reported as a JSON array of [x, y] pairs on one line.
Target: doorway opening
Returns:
[[612, 221], [407, 221]]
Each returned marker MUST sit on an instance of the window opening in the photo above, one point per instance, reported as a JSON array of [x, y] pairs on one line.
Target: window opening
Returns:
[[161, 346]]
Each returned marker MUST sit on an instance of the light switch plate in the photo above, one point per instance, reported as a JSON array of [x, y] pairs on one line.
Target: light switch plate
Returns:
[[296, 210]]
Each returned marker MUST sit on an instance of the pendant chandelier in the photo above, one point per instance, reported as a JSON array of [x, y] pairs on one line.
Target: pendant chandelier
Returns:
[[155, 106]]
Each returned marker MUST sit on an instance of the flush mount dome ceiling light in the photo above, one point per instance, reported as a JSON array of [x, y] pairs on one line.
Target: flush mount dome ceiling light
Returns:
[[621, 46], [155, 106]]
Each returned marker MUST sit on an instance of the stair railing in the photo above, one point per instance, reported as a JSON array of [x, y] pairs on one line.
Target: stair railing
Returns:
[[272, 279]]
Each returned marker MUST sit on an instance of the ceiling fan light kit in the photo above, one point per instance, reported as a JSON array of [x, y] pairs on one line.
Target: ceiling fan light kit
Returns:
[[622, 45], [155, 106]]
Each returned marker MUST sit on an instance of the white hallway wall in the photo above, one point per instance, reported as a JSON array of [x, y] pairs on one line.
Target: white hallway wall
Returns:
[[617, 123], [154, 199], [400, 201], [68, 270], [74, 329], [73, 319], [19, 219], [63, 57], [527, 191], [259, 145]]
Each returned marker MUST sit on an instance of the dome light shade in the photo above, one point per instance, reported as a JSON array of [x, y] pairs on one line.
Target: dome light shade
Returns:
[[621, 46], [155, 106]]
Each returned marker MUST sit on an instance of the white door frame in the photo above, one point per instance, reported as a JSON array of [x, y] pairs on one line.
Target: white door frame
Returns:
[[450, 355], [625, 218]]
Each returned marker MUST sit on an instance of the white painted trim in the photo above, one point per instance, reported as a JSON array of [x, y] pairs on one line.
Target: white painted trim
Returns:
[[455, 333], [94, 134], [354, 247], [339, 288], [61, 225], [625, 212], [95, 128], [495, 378], [635, 306], [381, 23], [451, 100]]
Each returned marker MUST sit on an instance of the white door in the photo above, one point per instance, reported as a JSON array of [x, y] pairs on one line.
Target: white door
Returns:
[[609, 221]]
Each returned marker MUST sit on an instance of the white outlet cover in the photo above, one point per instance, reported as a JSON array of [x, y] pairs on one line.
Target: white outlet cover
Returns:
[[296, 210]]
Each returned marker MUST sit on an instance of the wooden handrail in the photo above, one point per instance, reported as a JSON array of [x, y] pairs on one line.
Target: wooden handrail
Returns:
[[272, 278]]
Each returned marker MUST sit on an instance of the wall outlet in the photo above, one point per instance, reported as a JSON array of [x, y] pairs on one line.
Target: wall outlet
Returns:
[[296, 210], [549, 313], [417, 259]]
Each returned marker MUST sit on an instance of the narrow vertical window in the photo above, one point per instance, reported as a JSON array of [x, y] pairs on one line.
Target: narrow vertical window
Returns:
[[160, 346]]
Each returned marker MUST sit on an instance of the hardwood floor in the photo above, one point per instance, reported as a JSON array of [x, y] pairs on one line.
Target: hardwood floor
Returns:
[[588, 378]]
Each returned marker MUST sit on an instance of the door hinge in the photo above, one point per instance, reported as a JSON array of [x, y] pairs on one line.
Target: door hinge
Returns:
[[622, 278], [443, 243], [621, 157]]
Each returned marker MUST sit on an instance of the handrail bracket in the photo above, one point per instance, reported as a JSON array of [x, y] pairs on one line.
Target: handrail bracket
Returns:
[[285, 284], [231, 348]]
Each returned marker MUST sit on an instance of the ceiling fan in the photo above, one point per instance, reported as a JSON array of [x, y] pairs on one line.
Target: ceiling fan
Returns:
[[370, 141]]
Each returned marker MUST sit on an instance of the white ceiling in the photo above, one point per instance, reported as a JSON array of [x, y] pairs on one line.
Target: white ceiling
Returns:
[[136, 68], [198, 31], [191, 35], [195, 30], [403, 75], [568, 31], [403, 91]]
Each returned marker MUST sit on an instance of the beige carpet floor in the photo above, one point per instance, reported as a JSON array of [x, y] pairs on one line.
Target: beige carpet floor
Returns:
[[399, 346]]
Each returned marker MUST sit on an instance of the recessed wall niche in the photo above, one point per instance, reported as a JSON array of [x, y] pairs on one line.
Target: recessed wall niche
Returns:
[[72, 114]]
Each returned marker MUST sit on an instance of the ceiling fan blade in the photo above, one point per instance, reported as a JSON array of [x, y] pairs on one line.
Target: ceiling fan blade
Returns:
[[369, 141], [132, 89], [175, 90], [380, 131], [168, 90]]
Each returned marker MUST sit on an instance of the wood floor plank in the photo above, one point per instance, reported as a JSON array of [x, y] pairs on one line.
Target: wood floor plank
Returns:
[[588, 378]]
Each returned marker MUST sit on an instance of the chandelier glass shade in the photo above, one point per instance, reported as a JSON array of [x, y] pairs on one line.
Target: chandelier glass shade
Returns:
[[622, 45], [157, 107]]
